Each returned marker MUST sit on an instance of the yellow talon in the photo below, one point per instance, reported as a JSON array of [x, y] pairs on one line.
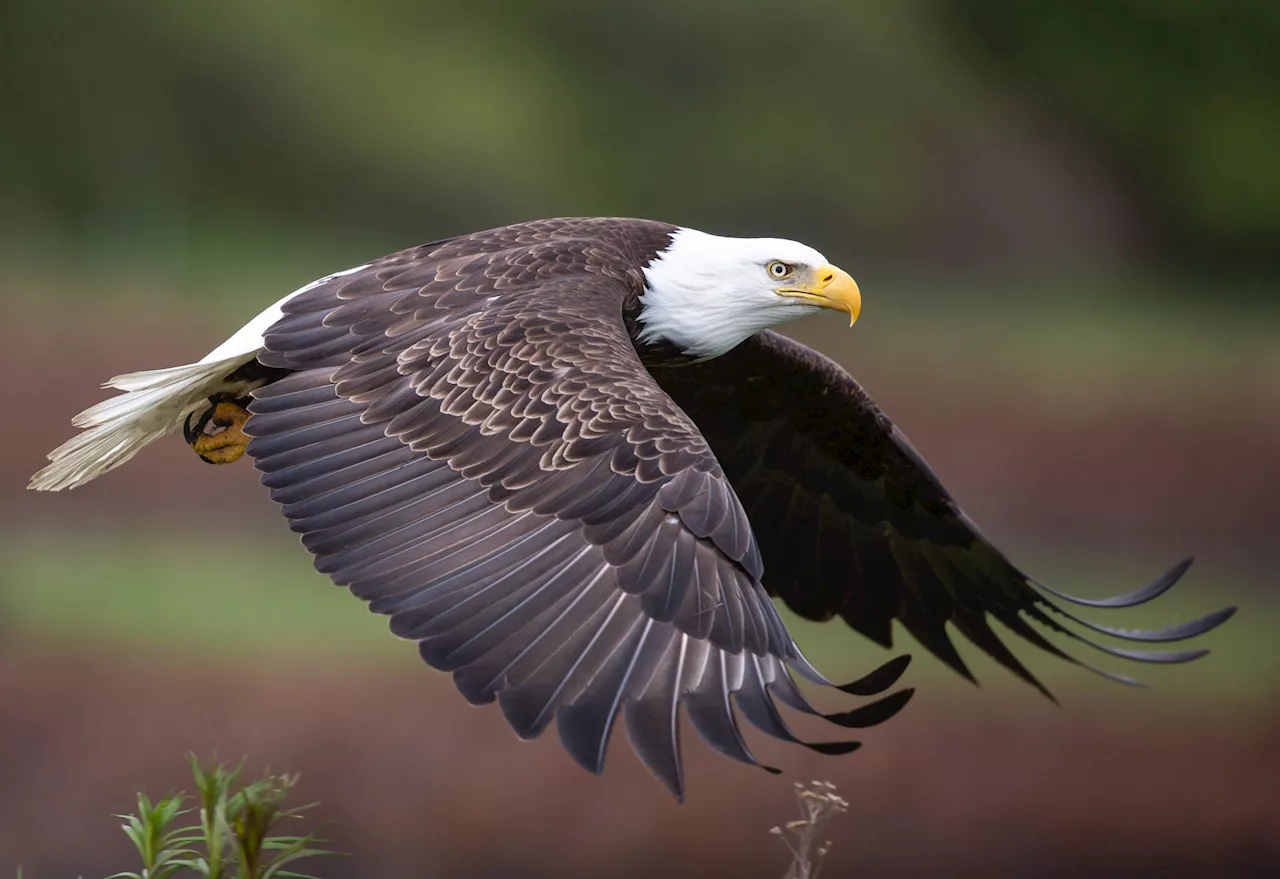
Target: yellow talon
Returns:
[[228, 444]]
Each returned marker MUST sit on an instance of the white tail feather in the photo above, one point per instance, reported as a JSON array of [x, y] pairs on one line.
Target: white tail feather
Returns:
[[151, 378], [155, 403]]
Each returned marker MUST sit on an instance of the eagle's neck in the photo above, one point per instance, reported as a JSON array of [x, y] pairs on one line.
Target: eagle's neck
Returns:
[[688, 321], [706, 294]]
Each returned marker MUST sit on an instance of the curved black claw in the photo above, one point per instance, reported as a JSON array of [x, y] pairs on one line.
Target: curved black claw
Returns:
[[191, 432]]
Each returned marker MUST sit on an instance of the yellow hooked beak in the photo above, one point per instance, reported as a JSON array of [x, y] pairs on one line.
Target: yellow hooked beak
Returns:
[[831, 288]]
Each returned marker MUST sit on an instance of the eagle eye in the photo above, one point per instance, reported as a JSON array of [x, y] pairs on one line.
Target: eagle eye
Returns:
[[779, 269]]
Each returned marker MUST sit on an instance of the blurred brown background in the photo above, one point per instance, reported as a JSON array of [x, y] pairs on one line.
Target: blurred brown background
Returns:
[[1064, 219]]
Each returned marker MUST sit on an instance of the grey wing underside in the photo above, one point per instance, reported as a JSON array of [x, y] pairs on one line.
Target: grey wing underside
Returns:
[[517, 606]]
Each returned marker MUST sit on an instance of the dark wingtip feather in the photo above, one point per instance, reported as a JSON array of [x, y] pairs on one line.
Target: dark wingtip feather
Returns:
[[878, 680], [711, 716], [1021, 627], [875, 713], [833, 749], [1155, 657], [1155, 589], [1178, 632], [584, 732], [654, 734], [976, 629], [756, 705], [934, 638], [1116, 677]]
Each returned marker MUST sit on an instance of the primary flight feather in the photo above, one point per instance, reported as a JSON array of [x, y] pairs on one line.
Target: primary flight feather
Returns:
[[570, 460]]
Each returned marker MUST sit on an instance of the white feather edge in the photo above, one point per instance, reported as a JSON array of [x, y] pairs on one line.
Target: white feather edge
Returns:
[[156, 402]]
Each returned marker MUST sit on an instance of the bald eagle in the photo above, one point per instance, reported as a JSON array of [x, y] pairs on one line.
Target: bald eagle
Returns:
[[569, 459]]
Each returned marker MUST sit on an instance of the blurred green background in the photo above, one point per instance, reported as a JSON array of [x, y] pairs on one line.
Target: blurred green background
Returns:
[[1065, 219]]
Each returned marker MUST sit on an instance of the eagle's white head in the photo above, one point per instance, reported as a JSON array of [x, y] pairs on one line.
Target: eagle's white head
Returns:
[[706, 293]]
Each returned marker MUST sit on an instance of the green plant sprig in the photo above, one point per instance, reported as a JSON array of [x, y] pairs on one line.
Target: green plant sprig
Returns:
[[233, 838]]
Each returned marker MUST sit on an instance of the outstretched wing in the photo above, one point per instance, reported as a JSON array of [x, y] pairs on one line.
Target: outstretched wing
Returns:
[[855, 524], [469, 442]]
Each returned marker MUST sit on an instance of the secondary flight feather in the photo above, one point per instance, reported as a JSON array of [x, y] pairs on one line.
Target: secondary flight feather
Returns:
[[570, 460]]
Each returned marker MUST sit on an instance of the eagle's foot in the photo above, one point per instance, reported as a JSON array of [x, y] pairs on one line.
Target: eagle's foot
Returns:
[[226, 443]]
